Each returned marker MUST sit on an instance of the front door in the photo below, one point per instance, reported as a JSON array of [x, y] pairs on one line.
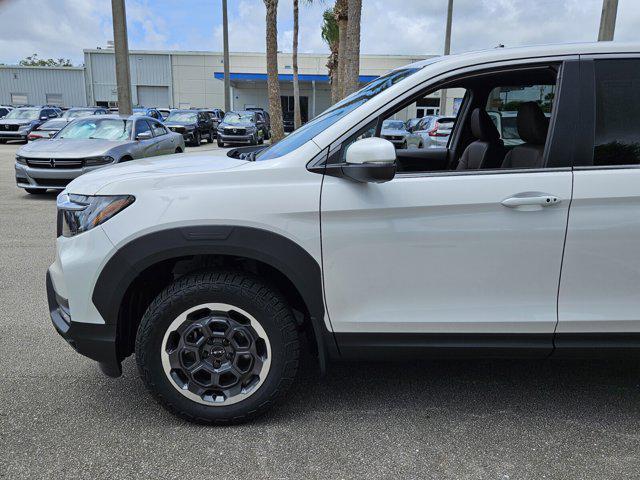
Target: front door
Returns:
[[448, 259]]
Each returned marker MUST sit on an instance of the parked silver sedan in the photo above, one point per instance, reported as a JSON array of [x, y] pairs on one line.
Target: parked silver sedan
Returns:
[[90, 143], [396, 132]]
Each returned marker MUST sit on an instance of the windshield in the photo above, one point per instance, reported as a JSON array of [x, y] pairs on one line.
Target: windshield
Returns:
[[98, 128], [335, 113], [24, 113], [234, 118], [183, 117], [69, 114], [393, 125]]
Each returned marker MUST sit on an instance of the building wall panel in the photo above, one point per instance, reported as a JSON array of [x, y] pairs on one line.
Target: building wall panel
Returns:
[[38, 82]]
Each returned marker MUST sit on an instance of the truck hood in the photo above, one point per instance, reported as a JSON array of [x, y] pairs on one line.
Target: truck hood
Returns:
[[154, 168], [69, 148]]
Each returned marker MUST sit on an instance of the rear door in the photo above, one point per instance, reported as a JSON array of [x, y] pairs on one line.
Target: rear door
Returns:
[[599, 301]]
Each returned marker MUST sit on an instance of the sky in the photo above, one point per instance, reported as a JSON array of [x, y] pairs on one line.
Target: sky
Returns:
[[62, 28]]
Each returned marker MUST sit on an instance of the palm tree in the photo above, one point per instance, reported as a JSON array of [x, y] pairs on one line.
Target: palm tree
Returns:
[[297, 115], [330, 37], [340, 10], [352, 56], [273, 84]]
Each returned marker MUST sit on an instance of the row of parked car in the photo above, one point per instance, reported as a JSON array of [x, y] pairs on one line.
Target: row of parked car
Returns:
[[252, 126], [64, 145]]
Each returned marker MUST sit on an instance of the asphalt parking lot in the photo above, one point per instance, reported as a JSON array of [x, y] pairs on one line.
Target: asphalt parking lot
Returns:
[[61, 418]]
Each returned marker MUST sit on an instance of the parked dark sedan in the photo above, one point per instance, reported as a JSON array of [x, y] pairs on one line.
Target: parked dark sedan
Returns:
[[245, 126], [19, 122], [194, 125]]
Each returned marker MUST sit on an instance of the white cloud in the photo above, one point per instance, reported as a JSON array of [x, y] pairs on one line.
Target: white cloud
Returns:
[[51, 29], [62, 28]]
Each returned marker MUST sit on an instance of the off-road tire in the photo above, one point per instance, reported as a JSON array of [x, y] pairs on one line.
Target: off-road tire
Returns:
[[244, 291]]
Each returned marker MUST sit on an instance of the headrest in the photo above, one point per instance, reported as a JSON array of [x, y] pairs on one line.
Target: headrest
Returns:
[[532, 124], [482, 127]]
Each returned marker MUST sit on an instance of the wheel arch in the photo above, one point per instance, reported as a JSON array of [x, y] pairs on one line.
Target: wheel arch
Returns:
[[136, 273]]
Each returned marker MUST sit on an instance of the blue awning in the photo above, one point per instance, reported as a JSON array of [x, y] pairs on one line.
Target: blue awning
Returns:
[[285, 77]]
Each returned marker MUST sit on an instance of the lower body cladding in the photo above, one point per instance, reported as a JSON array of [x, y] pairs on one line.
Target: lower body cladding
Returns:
[[95, 341], [69, 290], [47, 178]]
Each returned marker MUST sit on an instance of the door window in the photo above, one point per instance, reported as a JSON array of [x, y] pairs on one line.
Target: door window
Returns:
[[617, 125], [141, 127], [158, 129]]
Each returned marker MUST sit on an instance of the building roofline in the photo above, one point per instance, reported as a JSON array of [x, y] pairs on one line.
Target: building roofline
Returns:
[[41, 67], [245, 54]]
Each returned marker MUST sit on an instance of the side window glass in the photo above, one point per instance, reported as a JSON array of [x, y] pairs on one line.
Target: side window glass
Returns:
[[423, 124], [503, 103], [141, 127], [158, 129], [617, 123]]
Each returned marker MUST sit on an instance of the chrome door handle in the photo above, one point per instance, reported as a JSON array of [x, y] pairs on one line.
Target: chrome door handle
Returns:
[[530, 201]]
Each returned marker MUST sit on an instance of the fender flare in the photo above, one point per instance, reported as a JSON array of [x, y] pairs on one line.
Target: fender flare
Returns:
[[257, 244]]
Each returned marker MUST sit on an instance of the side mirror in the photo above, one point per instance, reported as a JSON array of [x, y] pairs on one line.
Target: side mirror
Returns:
[[370, 160], [44, 117], [144, 136]]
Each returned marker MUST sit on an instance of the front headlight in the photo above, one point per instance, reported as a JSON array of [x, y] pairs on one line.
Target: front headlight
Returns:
[[96, 161], [24, 128], [20, 160], [80, 213]]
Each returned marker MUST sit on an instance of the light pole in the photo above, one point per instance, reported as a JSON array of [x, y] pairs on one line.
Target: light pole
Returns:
[[608, 20], [121, 47], [447, 51], [225, 41]]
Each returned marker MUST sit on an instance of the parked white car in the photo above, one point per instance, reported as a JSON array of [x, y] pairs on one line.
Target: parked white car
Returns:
[[435, 130], [211, 267]]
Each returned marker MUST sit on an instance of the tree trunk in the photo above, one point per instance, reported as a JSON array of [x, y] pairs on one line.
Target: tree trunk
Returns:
[[297, 114], [341, 12], [332, 66], [352, 64], [273, 85]]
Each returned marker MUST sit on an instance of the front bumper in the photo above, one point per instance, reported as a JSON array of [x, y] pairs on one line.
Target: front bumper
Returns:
[[14, 135], [48, 178], [96, 341], [235, 138]]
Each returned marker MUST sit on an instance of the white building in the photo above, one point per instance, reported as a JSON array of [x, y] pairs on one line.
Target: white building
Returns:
[[183, 79], [196, 79]]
